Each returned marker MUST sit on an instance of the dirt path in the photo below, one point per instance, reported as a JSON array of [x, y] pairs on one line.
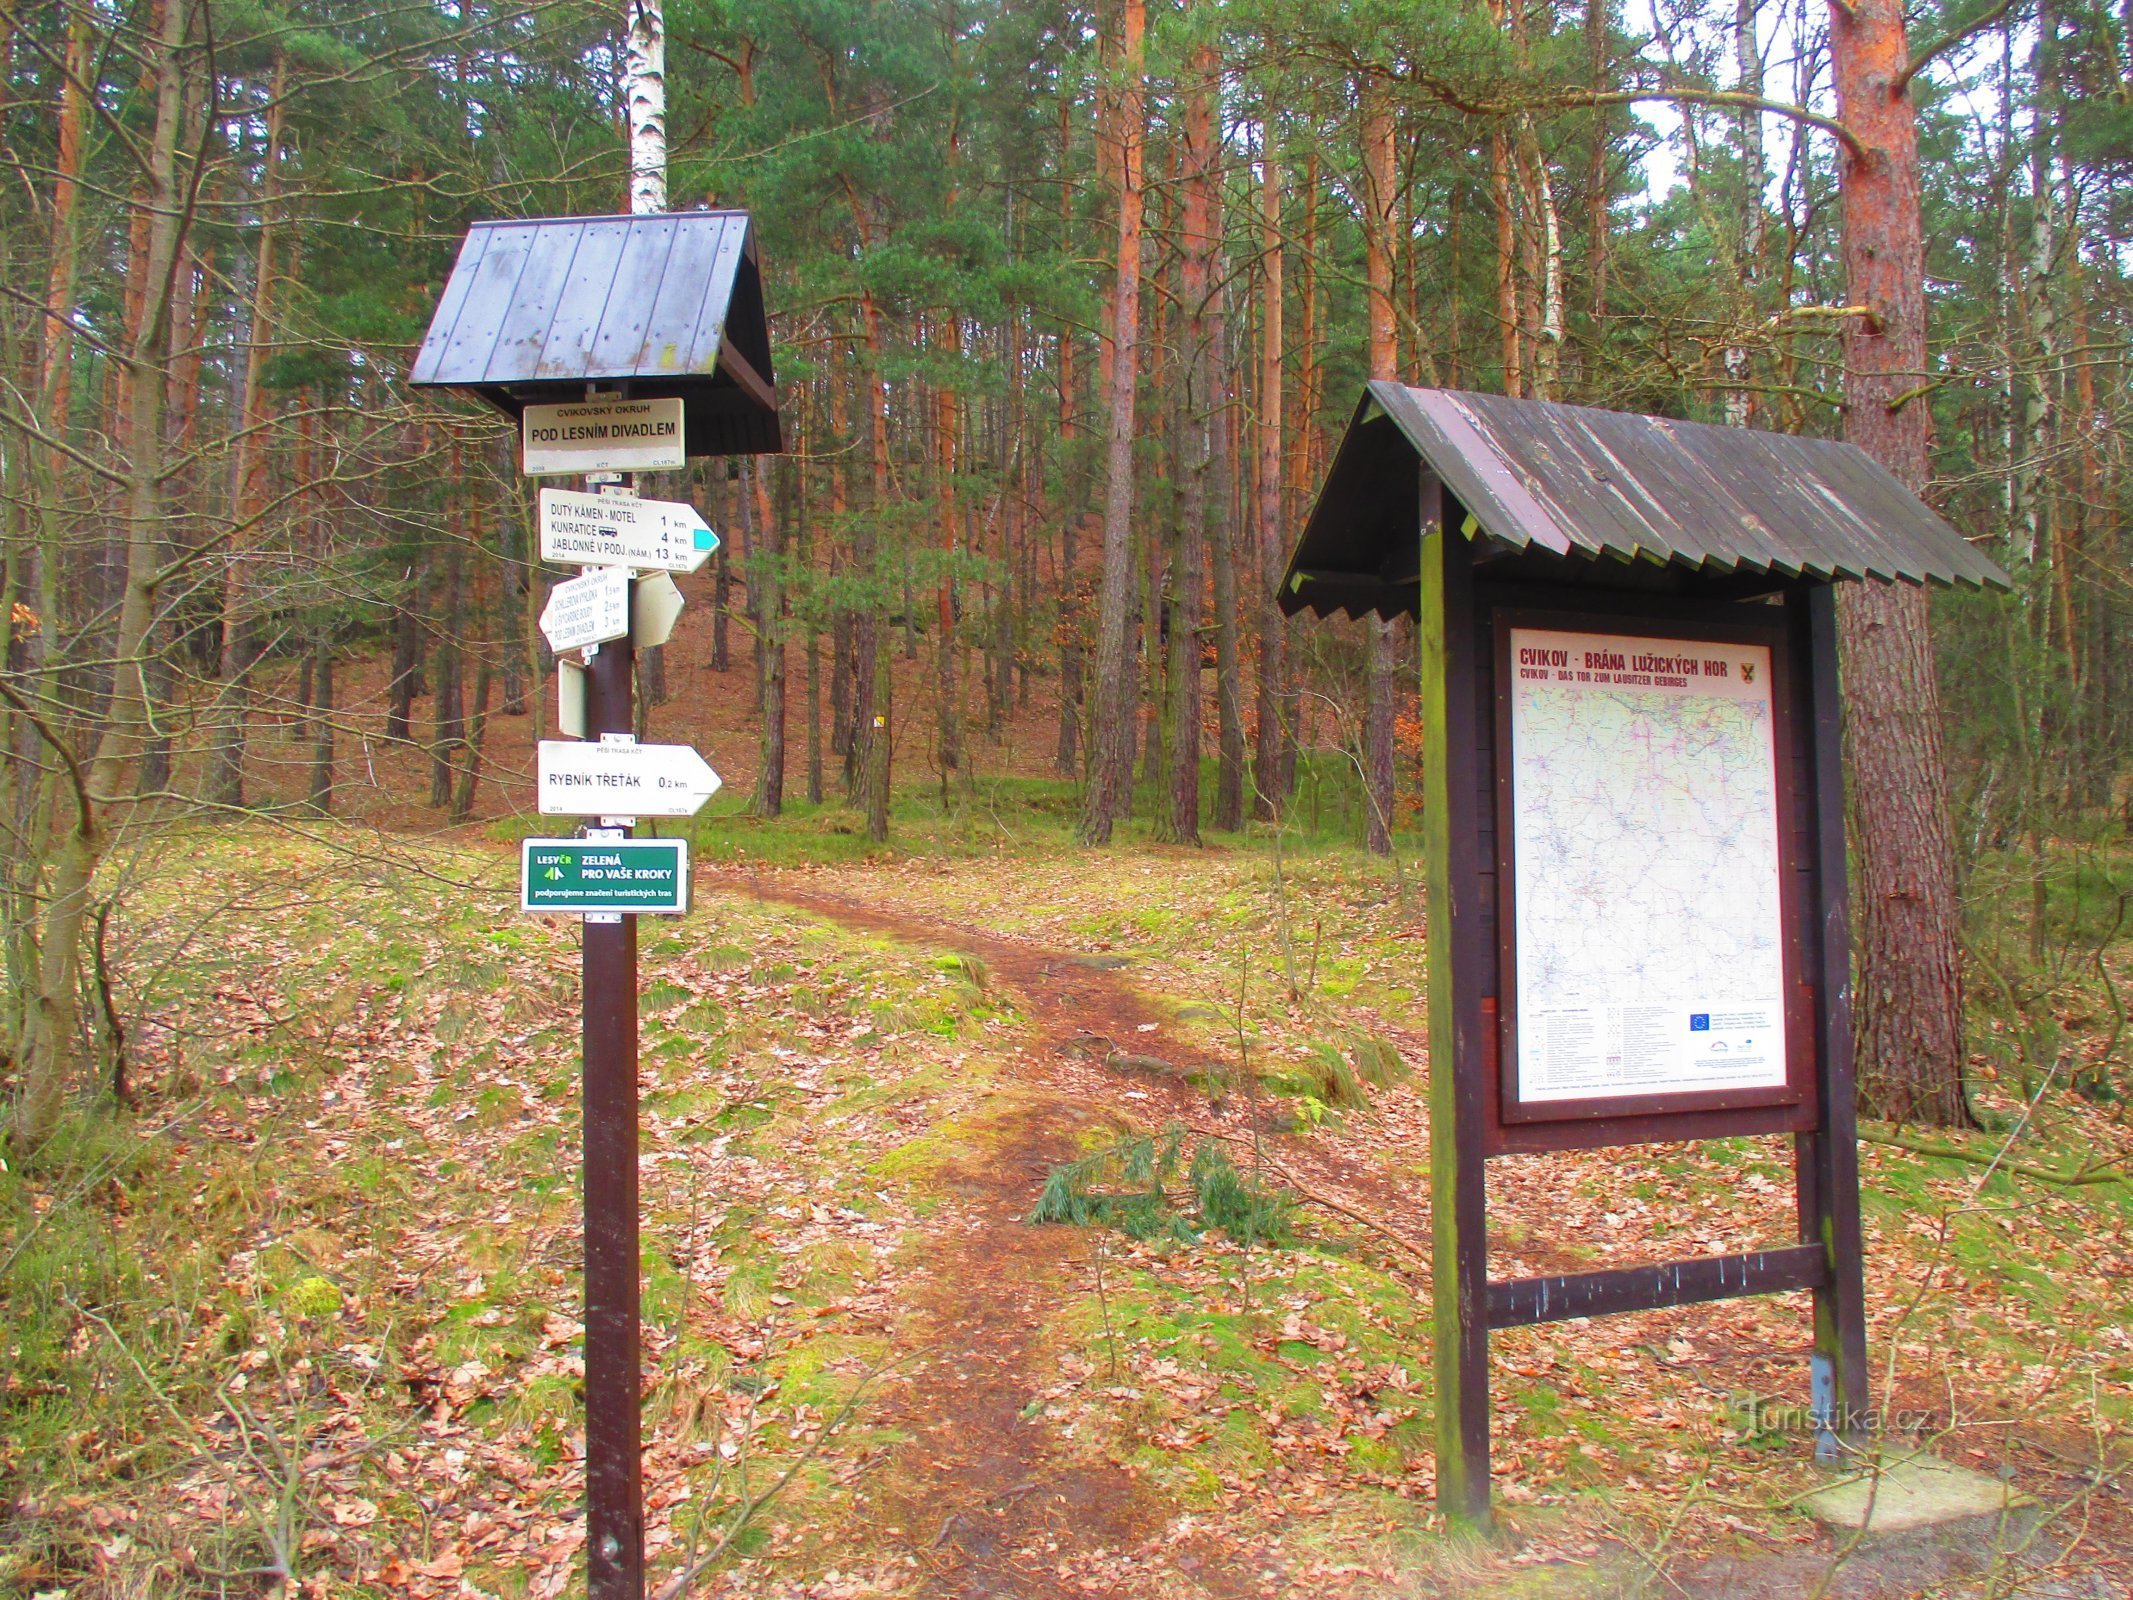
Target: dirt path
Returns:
[[987, 1505]]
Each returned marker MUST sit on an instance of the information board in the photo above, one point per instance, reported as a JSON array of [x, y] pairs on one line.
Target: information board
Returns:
[[1648, 930]]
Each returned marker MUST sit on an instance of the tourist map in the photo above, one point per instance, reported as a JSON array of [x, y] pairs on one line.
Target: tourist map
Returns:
[[1649, 935]]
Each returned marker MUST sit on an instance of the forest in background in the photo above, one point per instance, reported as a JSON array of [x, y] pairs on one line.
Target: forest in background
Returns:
[[999, 238]]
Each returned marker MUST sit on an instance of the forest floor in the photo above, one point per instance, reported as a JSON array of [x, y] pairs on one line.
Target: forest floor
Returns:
[[312, 1309]]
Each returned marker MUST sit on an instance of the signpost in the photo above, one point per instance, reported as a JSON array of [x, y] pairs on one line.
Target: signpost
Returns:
[[624, 531], [604, 875], [619, 777], [626, 343], [602, 433], [588, 610]]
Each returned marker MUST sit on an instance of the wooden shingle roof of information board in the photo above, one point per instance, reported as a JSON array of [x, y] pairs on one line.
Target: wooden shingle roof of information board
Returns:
[[538, 309], [1554, 485]]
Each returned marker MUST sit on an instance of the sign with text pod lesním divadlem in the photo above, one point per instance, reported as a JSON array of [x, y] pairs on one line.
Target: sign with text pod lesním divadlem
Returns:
[[603, 434], [569, 876]]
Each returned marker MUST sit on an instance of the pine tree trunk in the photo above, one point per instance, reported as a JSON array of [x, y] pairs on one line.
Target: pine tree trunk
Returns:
[[843, 669], [880, 745], [947, 678], [844, 665], [240, 641], [872, 696], [2091, 764], [1269, 780], [477, 735], [1067, 757], [1157, 538], [814, 715], [910, 611], [514, 564], [159, 679], [1157, 534], [1110, 789], [1908, 1009], [803, 548], [406, 680], [1300, 451], [1378, 166], [766, 592], [717, 492], [1196, 282], [1599, 21], [1224, 536], [57, 327], [1001, 698], [1514, 382], [448, 726], [322, 726]]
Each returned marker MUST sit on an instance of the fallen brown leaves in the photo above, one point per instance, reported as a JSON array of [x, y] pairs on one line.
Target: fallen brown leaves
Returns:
[[359, 1297]]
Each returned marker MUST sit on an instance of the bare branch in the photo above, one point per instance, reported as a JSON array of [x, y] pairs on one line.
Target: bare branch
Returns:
[[1941, 46]]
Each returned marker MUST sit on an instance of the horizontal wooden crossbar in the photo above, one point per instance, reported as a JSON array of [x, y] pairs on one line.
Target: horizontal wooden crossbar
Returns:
[[1516, 1302]]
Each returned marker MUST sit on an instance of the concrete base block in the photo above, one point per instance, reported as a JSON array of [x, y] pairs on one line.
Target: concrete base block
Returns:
[[1903, 1491]]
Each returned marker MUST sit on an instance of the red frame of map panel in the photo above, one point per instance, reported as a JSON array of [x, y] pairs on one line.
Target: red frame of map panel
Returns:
[[1599, 1120]]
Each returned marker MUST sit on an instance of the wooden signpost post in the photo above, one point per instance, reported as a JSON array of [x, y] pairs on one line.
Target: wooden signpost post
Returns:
[[620, 343], [1634, 825]]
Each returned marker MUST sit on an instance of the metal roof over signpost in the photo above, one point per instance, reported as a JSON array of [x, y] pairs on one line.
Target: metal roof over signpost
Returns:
[[668, 305], [1634, 815]]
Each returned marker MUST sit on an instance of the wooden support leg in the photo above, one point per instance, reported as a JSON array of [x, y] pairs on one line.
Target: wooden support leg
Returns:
[[1828, 1160], [1458, 973]]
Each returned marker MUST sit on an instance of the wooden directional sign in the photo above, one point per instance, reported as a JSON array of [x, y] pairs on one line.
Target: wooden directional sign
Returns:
[[621, 530], [604, 875], [622, 779], [603, 434], [570, 692], [588, 610], [657, 605]]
